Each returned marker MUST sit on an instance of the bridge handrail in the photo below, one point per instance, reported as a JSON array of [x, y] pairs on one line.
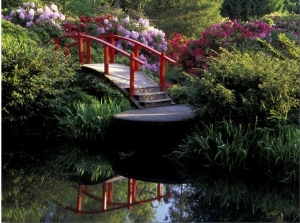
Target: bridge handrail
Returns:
[[97, 40], [136, 43], [109, 54]]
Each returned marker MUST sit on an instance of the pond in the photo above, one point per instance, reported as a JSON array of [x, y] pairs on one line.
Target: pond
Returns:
[[33, 190]]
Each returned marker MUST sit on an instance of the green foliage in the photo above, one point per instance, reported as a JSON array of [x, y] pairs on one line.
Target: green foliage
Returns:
[[76, 8], [221, 197], [247, 88], [8, 5], [289, 50], [279, 152], [289, 24], [178, 84], [94, 85], [191, 16], [225, 146], [85, 128], [26, 194], [36, 82], [89, 122], [292, 6], [246, 9], [46, 31]]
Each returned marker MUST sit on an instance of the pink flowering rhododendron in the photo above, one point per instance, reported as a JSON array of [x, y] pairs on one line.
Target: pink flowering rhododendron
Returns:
[[194, 58]]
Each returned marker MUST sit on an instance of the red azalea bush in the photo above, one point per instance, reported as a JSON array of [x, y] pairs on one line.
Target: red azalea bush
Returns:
[[86, 24], [176, 44]]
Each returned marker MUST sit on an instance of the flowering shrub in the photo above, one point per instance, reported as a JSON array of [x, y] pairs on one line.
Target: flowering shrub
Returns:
[[140, 31], [288, 24], [195, 56], [176, 43], [27, 15]]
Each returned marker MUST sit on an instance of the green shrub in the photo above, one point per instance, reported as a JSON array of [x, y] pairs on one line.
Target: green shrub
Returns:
[[45, 31], [248, 88], [37, 83], [94, 85]]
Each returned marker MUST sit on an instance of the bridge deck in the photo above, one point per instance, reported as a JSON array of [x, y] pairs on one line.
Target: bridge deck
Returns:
[[119, 74]]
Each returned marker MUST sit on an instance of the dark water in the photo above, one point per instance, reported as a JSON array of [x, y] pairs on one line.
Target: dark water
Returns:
[[34, 190]]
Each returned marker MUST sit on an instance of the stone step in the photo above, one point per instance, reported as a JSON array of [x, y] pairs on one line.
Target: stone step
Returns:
[[151, 96], [146, 89], [156, 103]]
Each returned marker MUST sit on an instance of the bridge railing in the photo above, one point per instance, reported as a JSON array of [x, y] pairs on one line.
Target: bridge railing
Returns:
[[136, 50], [109, 53]]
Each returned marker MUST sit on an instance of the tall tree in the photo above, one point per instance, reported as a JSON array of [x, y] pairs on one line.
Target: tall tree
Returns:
[[187, 17], [292, 6], [246, 9]]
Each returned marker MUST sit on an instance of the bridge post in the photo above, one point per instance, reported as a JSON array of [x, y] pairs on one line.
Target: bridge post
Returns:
[[112, 51], [131, 81], [159, 192], [136, 54], [130, 194], [80, 48], [162, 71], [88, 51], [56, 47], [106, 60], [79, 199], [104, 196]]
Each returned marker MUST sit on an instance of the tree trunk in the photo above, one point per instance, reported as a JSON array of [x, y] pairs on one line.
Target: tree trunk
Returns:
[[118, 4]]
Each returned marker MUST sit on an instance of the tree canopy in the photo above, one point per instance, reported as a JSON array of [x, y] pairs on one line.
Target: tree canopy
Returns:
[[187, 17], [246, 9]]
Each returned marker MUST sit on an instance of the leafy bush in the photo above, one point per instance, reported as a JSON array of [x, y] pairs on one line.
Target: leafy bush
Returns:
[[36, 82], [94, 85], [45, 30], [247, 88]]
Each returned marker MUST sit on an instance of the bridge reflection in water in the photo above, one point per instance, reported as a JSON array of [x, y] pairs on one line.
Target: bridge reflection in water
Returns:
[[107, 202]]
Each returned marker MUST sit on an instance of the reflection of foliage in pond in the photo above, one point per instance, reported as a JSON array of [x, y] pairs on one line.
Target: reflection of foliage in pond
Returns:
[[26, 194], [219, 197]]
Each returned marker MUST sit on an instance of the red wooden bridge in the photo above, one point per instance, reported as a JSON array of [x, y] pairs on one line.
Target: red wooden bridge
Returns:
[[142, 91]]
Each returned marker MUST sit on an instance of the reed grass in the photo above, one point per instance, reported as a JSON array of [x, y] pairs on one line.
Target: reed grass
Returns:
[[229, 147]]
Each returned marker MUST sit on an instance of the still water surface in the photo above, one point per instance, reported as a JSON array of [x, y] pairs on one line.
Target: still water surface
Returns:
[[34, 191]]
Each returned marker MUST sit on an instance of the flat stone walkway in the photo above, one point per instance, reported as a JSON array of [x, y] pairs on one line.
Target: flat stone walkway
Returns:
[[162, 114]]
